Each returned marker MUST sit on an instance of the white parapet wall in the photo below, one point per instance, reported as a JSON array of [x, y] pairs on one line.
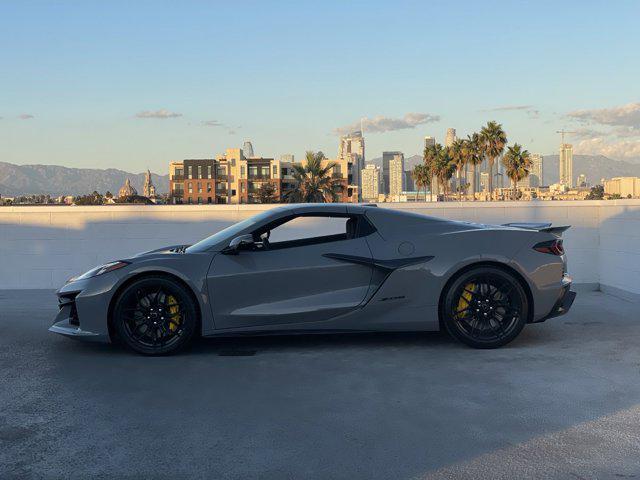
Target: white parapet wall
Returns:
[[40, 247]]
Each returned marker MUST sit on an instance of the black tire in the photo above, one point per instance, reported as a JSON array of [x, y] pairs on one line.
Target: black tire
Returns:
[[156, 315], [485, 307]]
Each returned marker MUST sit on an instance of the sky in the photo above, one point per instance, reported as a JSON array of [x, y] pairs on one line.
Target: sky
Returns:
[[134, 85]]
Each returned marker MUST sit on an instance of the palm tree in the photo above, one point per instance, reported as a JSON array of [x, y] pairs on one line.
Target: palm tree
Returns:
[[422, 178], [517, 163], [471, 150], [443, 167], [429, 158], [314, 183], [493, 142], [459, 161]]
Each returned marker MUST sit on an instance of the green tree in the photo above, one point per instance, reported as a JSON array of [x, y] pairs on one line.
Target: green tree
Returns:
[[459, 160], [596, 193], [472, 151], [443, 167], [429, 160], [517, 164], [313, 182], [267, 193], [493, 141], [422, 178]]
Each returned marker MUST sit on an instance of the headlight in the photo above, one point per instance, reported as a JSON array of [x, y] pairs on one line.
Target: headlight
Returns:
[[107, 267]]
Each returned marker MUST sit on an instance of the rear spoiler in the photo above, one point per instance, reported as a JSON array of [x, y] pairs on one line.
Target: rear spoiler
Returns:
[[540, 227]]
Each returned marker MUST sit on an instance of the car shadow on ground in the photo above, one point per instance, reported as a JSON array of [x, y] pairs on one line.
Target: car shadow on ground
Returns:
[[303, 343]]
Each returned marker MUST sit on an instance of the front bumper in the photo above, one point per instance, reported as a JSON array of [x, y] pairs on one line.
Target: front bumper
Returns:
[[565, 300], [63, 327], [83, 309]]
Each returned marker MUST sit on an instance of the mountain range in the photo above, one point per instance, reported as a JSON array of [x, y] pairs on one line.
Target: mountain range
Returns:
[[595, 167], [57, 180]]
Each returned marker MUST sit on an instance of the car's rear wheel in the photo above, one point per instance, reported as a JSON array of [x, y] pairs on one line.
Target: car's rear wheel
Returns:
[[155, 315], [485, 307]]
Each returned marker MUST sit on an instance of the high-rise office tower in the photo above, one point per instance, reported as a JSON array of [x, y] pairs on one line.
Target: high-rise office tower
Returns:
[[396, 176], [370, 182], [537, 173], [429, 142], [352, 150], [566, 164], [450, 138], [386, 159], [247, 149]]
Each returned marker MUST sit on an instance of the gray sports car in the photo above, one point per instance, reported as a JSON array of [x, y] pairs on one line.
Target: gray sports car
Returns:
[[326, 268]]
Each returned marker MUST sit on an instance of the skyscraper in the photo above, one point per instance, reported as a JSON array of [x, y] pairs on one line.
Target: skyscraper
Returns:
[[429, 142], [450, 138], [534, 179], [396, 176], [566, 164], [247, 149], [386, 158], [351, 149], [537, 171], [370, 182]]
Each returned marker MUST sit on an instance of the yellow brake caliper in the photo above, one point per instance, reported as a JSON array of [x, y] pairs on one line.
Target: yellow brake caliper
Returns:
[[174, 313], [465, 299]]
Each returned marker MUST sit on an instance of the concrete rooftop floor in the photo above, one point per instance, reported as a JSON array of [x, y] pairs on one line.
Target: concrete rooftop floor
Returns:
[[562, 401]]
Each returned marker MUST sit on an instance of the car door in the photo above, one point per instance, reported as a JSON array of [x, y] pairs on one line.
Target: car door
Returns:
[[290, 279]]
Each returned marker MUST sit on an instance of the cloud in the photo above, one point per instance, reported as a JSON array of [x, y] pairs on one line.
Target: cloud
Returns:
[[587, 133], [626, 132], [625, 115], [509, 107], [161, 114], [25, 116], [600, 146], [212, 123], [530, 110], [232, 132], [382, 124]]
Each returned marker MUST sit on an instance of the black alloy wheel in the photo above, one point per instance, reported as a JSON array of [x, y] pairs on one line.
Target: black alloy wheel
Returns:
[[155, 316], [485, 307]]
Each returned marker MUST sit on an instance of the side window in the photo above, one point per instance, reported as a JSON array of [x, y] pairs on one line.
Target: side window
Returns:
[[311, 229]]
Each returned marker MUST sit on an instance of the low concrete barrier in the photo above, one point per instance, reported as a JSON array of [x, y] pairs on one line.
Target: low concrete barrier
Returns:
[[40, 247]]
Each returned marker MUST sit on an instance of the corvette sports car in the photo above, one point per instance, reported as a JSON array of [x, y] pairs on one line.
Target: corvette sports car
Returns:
[[326, 268]]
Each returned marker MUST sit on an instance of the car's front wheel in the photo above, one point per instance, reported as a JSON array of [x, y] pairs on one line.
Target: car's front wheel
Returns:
[[485, 307], [155, 315]]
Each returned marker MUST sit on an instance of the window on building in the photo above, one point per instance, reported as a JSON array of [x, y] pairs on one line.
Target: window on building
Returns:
[[253, 170], [189, 172], [264, 171], [275, 171], [199, 187], [199, 171], [190, 186], [199, 200], [208, 187], [209, 171], [242, 171], [285, 171]]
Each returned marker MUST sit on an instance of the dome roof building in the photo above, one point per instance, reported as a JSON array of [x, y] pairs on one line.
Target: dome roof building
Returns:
[[127, 190]]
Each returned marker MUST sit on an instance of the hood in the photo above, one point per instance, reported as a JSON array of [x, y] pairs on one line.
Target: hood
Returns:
[[172, 249]]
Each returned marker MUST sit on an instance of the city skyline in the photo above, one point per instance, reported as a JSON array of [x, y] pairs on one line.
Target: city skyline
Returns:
[[116, 86]]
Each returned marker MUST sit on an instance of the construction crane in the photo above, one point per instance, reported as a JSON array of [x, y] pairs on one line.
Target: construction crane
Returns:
[[562, 132]]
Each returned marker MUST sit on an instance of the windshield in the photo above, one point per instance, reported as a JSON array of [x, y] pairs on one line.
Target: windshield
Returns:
[[228, 232]]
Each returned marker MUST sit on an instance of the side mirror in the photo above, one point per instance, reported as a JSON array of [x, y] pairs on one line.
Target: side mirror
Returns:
[[237, 243]]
